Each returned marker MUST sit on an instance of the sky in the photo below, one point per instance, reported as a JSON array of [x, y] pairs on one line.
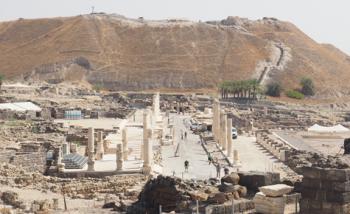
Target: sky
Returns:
[[326, 21]]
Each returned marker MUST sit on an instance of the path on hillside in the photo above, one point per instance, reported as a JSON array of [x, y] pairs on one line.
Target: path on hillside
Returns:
[[276, 63]]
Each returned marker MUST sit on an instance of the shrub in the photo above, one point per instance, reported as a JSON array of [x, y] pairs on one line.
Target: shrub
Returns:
[[307, 86], [83, 62], [274, 89], [295, 94]]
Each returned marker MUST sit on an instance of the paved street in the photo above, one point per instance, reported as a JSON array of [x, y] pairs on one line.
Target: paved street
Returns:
[[252, 156], [189, 150]]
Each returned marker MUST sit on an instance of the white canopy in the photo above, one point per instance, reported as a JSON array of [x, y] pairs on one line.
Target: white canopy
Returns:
[[20, 106], [337, 128]]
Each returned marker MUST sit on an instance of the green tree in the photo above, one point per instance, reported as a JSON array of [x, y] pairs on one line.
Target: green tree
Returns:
[[307, 86], [274, 89]]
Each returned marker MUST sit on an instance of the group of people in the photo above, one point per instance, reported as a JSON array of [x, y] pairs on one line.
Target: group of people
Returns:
[[218, 166]]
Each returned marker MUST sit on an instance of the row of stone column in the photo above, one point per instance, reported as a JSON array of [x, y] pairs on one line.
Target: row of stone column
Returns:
[[222, 129], [121, 152]]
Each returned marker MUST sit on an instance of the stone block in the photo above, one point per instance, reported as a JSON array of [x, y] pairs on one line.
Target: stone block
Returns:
[[324, 195], [312, 172], [253, 180], [337, 174], [265, 204], [326, 185], [276, 190]]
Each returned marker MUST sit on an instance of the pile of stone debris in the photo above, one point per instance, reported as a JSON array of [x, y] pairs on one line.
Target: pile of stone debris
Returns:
[[174, 194], [298, 159], [123, 189]]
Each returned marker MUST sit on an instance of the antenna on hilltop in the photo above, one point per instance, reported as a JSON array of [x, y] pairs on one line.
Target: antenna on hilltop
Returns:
[[92, 9]]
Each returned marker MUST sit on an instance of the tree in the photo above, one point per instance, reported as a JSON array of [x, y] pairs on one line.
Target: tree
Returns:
[[307, 86], [274, 89]]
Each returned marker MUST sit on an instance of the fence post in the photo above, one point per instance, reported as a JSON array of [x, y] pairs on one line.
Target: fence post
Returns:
[[160, 209], [233, 207]]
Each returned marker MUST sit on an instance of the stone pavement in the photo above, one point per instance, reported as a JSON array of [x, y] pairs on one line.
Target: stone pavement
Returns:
[[190, 150]]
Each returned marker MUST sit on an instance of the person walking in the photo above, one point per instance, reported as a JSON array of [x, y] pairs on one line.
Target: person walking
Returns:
[[186, 165], [185, 135], [210, 159], [218, 170]]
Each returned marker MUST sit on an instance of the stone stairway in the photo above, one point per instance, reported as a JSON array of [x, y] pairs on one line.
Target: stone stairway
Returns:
[[74, 161]]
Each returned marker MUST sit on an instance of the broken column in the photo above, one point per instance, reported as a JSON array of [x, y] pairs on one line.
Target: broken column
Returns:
[[125, 143], [119, 157], [223, 130], [229, 137], [100, 146], [236, 160], [91, 150], [60, 165]]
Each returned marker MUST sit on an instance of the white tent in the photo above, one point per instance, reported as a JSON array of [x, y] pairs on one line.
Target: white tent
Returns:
[[337, 128], [20, 106]]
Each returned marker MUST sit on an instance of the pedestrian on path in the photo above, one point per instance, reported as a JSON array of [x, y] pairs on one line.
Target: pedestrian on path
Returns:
[[186, 165], [186, 135], [210, 159], [218, 170]]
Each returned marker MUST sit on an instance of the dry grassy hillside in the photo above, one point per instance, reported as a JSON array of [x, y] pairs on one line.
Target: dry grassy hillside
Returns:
[[121, 53]]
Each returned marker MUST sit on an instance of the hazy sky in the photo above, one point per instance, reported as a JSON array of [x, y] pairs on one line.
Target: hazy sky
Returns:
[[326, 21]]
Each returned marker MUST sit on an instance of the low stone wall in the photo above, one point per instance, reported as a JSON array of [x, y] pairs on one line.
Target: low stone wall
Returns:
[[35, 161], [325, 190], [240, 206], [277, 148]]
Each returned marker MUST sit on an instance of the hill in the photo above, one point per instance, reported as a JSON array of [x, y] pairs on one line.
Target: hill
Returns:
[[135, 54]]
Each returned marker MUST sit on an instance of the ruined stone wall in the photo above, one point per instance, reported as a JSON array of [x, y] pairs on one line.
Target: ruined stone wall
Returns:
[[325, 190], [5, 156], [30, 161]]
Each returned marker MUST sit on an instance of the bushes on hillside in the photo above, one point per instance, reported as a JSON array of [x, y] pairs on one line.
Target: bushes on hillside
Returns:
[[274, 89], [295, 94], [307, 86]]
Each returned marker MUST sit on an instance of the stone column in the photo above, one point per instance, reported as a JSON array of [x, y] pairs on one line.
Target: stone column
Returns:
[[60, 165], [91, 150], [119, 157], [148, 152], [236, 160], [155, 106], [145, 133], [223, 127], [217, 121], [213, 127], [229, 138], [125, 143], [100, 146]]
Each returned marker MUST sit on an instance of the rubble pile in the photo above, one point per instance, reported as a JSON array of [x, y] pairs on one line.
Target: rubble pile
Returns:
[[174, 194], [122, 188], [298, 159]]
